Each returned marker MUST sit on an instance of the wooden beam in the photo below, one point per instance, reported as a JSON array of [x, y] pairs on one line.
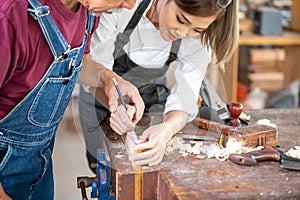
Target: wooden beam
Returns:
[[138, 171]]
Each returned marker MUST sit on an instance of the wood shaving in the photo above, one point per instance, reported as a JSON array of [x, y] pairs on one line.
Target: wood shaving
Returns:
[[266, 122], [210, 151], [119, 156], [294, 152], [245, 117]]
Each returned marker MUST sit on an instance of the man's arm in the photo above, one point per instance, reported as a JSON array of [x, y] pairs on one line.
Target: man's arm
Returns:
[[100, 79], [3, 195]]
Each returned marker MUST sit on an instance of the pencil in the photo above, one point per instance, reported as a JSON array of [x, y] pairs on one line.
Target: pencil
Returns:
[[119, 93], [131, 133]]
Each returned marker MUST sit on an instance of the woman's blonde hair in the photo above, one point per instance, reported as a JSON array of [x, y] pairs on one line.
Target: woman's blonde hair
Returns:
[[223, 34]]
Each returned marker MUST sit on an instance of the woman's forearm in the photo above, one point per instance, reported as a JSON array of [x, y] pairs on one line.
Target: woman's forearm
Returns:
[[176, 119]]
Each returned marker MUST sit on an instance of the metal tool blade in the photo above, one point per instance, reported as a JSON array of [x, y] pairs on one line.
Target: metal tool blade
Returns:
[[288, 162], [198, 137]]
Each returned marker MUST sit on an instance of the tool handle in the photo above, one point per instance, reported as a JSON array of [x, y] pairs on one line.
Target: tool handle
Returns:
[[83, 191], [252, 157]]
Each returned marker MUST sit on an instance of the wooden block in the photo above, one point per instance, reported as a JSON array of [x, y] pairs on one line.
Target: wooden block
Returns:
[[266, 66], [246, 26], [267, 54], [138, 171], [124, 175], [295, 22], [251, 136], [269, 76], [256, 135]]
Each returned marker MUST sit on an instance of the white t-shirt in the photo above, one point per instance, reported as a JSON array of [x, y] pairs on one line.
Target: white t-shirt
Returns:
[[148, 49]]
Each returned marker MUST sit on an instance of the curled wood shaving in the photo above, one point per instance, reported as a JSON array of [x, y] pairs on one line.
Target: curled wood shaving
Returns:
[[266, 122], [294, 152], [245, 117], [207, 151]]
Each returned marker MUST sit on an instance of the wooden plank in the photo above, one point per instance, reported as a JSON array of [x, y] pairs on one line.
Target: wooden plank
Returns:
[[295, 22], [292, 66], [138, 171], [287, 39], [270, 76], [267, 55]]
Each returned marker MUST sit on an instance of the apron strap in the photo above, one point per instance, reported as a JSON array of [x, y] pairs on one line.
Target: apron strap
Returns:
[[123, 38], [173, 53]]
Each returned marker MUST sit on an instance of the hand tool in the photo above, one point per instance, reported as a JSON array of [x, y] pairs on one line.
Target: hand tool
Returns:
[[266, 154], [251, 135], [131, 133], [198, 137], [101, 184], [213, 107]]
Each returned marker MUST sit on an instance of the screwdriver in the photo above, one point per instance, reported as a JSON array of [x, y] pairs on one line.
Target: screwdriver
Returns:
[[131, 133]]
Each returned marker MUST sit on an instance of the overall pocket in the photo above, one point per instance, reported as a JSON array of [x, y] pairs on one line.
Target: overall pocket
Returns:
[[50, 102], [5, 152]]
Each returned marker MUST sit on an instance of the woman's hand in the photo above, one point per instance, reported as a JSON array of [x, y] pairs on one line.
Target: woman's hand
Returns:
[[152, 144]]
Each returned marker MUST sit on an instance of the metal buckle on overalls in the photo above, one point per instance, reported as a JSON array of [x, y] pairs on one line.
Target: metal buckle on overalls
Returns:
[[64, 55], [42, 11], [88, 34]]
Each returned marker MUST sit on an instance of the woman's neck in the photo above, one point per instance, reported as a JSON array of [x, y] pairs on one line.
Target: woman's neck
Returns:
[[152, 14], [73, 5]]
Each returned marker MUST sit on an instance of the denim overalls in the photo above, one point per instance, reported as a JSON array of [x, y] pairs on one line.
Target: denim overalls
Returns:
[[27, 132], [151, 83]]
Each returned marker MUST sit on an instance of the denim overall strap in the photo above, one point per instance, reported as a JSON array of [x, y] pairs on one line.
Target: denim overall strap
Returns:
[[42, 14]]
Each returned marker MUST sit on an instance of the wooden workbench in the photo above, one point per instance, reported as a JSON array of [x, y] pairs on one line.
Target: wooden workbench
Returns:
[[190, 178]]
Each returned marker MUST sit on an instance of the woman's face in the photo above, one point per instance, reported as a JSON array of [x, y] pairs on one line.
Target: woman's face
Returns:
[[174, 23]]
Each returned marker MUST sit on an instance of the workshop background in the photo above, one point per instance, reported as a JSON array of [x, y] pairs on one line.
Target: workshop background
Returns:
[[264, 73]]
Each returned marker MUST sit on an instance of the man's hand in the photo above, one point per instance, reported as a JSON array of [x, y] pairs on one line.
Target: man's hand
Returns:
[[3, 195], [128, 90], [101, 85], [121, 120]]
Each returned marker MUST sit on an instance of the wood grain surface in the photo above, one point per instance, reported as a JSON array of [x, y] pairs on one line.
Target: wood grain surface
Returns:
[[179, 177]]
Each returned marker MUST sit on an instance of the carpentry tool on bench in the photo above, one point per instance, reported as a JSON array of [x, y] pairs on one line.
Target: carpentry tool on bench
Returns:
[[215, 116], [101, 184], [266, 154], [251, 135]]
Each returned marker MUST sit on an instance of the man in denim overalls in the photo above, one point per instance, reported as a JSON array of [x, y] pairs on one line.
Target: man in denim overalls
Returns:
[[43, 44]]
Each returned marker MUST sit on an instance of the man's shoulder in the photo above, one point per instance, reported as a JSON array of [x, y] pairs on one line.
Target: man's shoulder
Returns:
[[11, 9], [9, 5]]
